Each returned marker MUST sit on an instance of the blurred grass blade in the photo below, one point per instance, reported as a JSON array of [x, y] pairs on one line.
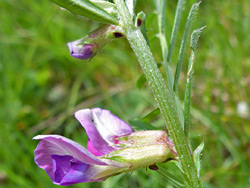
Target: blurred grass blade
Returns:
[[171, 178], [152, 115], [178, 14], [131, 6], [87, 9], [196, 155], [111, 182], [192, 12], [178, 165], [149, 117], [221, 133], [141, 125], [141, 81], [187, 100]]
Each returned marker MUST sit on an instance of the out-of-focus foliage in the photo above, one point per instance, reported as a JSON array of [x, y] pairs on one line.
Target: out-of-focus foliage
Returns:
[[41, 86]]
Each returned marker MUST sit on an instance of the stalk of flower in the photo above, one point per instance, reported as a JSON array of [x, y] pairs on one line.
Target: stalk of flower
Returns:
[[113, 148], [90, 45]]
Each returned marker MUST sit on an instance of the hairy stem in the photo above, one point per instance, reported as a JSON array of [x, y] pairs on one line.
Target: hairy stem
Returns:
[[162, 95]]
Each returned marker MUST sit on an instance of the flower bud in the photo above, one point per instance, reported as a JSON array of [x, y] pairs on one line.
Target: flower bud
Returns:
[[81, 51], [142, 138], [140, 19], [90, 45], [142, 148]]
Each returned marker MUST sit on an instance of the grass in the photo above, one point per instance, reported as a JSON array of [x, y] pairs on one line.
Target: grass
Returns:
[[41, 86]]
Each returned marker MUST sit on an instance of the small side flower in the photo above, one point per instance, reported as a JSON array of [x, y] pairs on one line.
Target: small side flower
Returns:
[[81, 51], [89, 46]]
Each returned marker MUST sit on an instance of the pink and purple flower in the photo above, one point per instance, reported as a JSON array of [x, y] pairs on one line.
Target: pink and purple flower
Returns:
[[113, 148], [81, 51], [90, 45]]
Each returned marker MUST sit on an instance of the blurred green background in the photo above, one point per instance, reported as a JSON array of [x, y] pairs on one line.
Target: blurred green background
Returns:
[[41, 86]]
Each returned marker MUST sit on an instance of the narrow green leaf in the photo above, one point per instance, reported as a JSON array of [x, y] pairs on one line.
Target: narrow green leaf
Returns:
[[171, 178], [177, 19], [149, 117], [189, 21], [187, 100], [141, 125], [195, 38], [177, 164], [152, 115], [87, 9], [160, 9], [196, 155]]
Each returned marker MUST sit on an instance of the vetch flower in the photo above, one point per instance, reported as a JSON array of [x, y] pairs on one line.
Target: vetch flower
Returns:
[[81, 51], [113, 148], [89, 46]]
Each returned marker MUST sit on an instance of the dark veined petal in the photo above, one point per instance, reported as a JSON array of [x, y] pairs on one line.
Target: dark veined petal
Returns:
[[59, 145], [67, 170], [102, 128]]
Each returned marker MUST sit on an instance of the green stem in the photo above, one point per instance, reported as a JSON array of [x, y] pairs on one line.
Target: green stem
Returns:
[[161, 93]]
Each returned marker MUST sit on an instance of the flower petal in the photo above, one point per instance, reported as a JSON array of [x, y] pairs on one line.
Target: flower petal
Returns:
[[102, 127], [81, 51], [59, 145], [91, 148], [61, 166], [67, 170]]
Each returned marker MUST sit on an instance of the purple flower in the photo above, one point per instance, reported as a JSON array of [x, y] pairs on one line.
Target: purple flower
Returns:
[[81, 51], [112, 148], [90, 45]]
